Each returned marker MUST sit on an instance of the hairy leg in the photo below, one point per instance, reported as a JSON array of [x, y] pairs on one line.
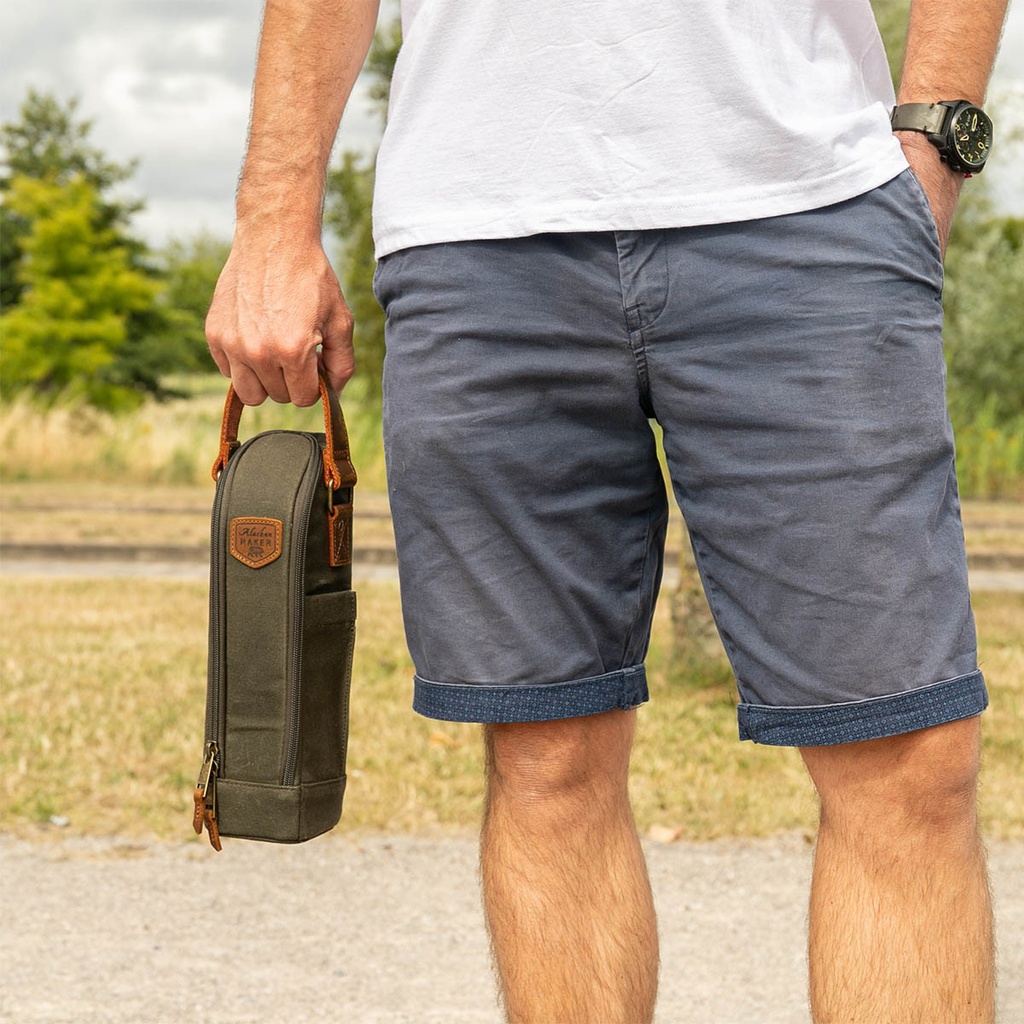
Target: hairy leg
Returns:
[[566, 893], [901, 918]]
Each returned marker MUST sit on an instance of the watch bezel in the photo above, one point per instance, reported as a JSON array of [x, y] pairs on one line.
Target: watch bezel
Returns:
[[952, 143]]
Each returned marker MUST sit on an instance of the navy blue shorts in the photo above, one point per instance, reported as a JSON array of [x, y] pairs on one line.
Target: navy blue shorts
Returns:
[[795, 365]]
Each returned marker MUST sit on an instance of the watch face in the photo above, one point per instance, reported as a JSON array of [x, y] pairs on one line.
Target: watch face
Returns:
[[971, 135]]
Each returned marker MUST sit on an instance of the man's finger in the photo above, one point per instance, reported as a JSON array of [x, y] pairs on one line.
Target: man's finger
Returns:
[[337, 357], [338, 365], [247, 385], [301, 381]]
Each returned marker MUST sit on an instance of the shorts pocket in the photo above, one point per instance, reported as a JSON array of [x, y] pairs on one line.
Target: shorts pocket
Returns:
[[919, 210]]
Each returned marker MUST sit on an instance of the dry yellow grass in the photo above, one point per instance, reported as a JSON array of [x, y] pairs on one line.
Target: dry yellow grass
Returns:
[[102, 694], [172, 442], [1001, 648], [690, 772], [101, 717], [98, 701]]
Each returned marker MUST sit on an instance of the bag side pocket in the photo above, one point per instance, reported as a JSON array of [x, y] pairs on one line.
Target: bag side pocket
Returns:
[[328, 644]]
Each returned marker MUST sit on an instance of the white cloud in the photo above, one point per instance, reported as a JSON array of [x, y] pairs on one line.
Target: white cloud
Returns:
[[167, 81]]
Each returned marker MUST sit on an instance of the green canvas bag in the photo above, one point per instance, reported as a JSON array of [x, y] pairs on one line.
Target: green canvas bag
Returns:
[[282, 631]]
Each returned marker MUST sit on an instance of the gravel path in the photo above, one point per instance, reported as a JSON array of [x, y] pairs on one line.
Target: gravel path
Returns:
[[382, 930]]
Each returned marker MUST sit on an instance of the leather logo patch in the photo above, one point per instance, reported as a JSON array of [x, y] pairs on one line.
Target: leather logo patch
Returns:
[[255, 541]]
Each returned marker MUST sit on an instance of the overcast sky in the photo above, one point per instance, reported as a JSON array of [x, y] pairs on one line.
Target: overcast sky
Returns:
[[168, 81]]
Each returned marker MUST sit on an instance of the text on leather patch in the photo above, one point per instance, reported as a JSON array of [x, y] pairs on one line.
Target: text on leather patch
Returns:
[[255, 541]]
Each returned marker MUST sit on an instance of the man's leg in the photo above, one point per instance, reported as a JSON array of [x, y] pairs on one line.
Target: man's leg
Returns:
[[901, 919], [566, 893]]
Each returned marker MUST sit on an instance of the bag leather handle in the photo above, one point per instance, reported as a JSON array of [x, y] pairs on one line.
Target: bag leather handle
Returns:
[[338, 468]]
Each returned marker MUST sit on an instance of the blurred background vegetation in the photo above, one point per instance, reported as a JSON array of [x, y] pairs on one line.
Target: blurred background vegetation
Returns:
[[97, 326]]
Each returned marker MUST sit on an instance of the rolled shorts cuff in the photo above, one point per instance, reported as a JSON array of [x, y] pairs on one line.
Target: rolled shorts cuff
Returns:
[[483, 702], [874, 718]]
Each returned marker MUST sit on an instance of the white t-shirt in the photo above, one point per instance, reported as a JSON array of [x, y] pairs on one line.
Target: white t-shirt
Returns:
[[514, 117]]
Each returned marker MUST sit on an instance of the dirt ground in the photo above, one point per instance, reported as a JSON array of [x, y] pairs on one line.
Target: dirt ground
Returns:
[[383, 930]]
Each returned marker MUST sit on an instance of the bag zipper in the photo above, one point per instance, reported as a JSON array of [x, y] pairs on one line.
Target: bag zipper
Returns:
[[218, 556], [216, 667], [205, 795], [300, 530]]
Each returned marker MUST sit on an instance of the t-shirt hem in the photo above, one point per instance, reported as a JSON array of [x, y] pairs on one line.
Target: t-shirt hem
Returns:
[[639, 213]]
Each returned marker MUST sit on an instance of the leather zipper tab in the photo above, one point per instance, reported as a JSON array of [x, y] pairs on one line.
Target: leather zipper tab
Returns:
[[205, 797]]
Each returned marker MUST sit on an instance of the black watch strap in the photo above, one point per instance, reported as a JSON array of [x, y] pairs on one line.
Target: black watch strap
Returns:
[[919, 117]]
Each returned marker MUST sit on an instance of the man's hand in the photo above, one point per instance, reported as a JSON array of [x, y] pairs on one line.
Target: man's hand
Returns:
[[278, 299], [941, 185], [273, 306]]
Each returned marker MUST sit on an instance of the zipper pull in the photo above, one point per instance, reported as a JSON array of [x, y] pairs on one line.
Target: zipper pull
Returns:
[[206, 773], [205, 797]]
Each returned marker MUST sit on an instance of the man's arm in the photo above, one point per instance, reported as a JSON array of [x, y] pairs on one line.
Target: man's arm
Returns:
[[278, 297], [951, 47]]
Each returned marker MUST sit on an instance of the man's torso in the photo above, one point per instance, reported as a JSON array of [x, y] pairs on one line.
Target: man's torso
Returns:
[[514, 118]]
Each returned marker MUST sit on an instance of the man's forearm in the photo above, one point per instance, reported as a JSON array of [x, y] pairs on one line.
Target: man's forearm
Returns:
[[951, 47], [278, 314], [310, 54]]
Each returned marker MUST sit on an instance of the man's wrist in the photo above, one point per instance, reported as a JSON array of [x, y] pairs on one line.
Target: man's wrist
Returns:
[[288, 215], [915, 142], [922, 155]]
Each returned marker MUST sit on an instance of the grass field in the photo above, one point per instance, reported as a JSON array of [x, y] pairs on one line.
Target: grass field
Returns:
[[103, 687], [172, 442]]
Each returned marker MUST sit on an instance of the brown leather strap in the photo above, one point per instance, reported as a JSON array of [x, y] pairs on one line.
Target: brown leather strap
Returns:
[[199, 799], [338, 468], [212, 828]]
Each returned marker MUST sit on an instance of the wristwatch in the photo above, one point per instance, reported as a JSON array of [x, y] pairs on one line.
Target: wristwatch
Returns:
[[960, 131]]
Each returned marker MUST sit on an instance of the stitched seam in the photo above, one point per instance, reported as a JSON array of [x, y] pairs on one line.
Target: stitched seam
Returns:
[[616, 676], [636, 344], [634, 335], [711, 592], [646, 570], [864, 702]]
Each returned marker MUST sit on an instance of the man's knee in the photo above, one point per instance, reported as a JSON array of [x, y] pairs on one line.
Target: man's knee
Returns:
[[925, 780], [568, 759]]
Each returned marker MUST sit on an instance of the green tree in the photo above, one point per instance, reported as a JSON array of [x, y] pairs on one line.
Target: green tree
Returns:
[[189, 270], [983, 303], [891, 16], [86, 313], [49, 142], [347, 214], [83, 325]]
